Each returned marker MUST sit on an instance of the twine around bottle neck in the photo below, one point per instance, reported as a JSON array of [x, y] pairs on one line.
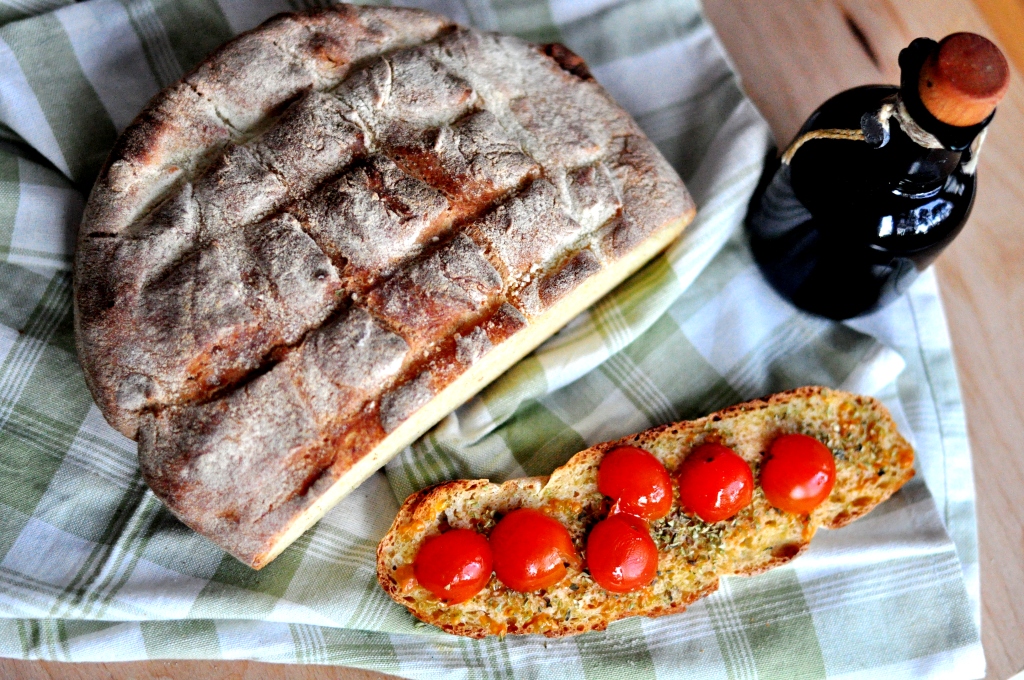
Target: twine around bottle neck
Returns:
[[892, 107]]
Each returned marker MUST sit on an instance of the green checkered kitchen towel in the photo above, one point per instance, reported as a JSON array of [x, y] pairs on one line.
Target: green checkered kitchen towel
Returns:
[[93, 568]]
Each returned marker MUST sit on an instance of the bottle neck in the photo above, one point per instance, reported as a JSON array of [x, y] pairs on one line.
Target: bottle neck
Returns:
[[919, 164], [923, 150]]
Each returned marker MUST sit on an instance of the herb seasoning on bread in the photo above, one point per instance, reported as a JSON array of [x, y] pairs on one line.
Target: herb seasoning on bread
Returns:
[[779, 440]]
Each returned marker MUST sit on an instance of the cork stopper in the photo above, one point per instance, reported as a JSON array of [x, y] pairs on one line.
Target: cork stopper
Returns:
[[964, 79]]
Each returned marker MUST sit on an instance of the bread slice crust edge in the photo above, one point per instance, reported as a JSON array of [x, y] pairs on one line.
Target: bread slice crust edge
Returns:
[[873, 461]]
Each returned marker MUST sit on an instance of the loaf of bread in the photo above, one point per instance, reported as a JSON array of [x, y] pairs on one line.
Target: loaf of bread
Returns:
[[330, 234], [872, 462]]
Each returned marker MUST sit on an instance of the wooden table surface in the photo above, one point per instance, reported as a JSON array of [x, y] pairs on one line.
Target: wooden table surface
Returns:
[[792, 55]]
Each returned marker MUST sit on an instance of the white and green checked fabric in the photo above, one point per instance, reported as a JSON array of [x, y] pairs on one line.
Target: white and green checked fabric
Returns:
[[92, 568]]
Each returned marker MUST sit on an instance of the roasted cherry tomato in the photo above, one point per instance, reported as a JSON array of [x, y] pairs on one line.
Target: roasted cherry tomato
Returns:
[[621, 555], [531, 550], [455, 565], [714, 483], [797, 473], [636, 481]]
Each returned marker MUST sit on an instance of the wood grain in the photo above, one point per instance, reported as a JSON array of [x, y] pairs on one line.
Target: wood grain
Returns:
[[792, 55], [1006, 19]]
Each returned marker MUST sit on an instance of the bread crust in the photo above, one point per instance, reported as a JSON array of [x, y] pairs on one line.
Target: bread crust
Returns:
[[333, 231], [872, 462]]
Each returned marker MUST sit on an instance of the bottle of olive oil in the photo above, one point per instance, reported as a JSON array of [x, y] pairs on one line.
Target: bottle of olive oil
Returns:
[[878, 180]]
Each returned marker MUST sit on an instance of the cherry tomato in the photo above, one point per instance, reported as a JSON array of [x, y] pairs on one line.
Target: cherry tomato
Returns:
[[621, 555], [455, 565], [714, 483], [637, 481], [531, 550], [798, 473]]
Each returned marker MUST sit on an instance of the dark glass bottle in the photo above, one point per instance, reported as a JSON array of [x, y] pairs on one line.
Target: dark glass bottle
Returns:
[[875, 187]]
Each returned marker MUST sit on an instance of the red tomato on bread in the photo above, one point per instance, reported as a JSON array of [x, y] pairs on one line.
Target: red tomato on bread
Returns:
[[714, 483], [531, 550], [621, 555], [637, 482], [455, 565], [798, 473]]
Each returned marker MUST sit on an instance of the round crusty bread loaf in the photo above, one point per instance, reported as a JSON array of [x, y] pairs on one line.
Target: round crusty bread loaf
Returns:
[[331, 233]]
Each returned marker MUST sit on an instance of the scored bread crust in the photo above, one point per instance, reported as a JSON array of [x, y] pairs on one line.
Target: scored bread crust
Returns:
[[872, 462], [331, 233]]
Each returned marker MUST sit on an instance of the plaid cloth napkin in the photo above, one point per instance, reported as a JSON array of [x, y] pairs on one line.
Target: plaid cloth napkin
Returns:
[[93, 568]]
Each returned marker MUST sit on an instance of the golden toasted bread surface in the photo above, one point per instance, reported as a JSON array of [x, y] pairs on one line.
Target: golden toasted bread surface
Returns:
[[872, 462]]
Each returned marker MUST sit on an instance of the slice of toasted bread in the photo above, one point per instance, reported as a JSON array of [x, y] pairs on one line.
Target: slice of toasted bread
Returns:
[[872, 462]]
